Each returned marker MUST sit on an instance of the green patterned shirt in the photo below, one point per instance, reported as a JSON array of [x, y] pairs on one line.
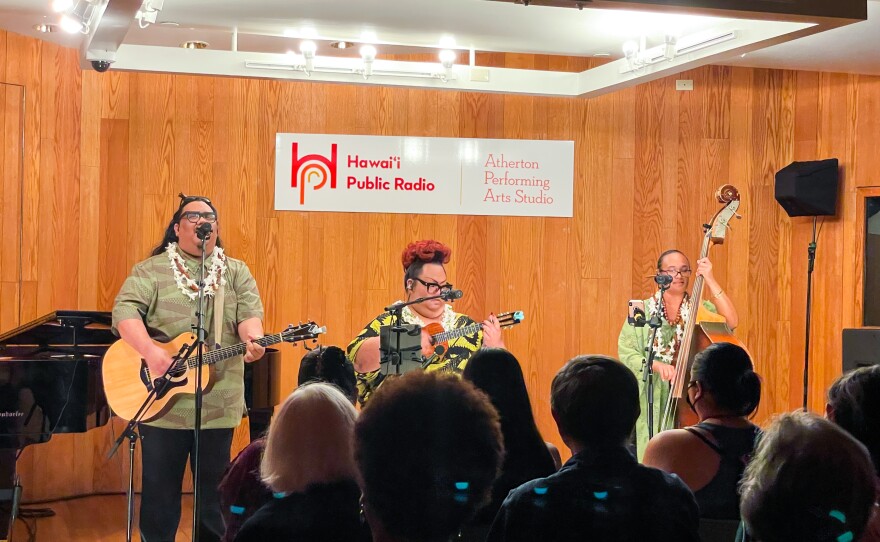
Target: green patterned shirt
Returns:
[[151, 294]]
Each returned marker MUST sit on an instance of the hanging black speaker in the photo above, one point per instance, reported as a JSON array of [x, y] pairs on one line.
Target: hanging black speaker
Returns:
[[808, 188]]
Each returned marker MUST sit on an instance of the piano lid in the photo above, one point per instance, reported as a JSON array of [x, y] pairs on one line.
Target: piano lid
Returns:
[[63, 328]]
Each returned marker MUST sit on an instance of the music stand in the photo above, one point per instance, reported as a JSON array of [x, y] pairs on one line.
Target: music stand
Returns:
[[400, 348]]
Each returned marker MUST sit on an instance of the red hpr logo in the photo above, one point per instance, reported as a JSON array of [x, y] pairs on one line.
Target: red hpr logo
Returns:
[[312, 169]]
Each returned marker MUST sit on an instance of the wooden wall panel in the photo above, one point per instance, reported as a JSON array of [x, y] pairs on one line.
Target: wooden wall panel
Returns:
[[11, 161], [106, 154]]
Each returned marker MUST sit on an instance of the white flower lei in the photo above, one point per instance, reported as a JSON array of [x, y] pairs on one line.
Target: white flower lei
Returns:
[[190, 288], [447, 320], [665, 351]]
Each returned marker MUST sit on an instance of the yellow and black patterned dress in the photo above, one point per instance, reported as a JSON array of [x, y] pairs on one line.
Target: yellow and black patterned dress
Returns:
[[460, 349]]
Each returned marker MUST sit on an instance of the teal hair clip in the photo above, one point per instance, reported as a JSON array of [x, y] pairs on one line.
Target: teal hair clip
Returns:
[[841, 517]]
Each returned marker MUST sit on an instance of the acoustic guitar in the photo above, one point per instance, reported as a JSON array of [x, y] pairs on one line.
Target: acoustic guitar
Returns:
[[441, 338], [128, 382]]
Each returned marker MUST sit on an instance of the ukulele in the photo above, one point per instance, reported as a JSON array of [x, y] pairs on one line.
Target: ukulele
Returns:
[[128, 382], [440, 338]]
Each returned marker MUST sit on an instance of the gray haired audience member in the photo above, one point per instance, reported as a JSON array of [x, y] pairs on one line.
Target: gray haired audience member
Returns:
[[809, 481], [309, 465], [428, 448], [602, 493], [854, 405]]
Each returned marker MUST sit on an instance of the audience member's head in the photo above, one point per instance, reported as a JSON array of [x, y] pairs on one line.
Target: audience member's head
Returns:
[[329, 364], [854, 405], [808, 481], [428, 448], [310, 440], [595, 402], [723, 381], [498, 374]]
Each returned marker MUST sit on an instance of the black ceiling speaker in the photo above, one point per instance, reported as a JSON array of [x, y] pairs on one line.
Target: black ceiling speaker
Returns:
[[808, 188]]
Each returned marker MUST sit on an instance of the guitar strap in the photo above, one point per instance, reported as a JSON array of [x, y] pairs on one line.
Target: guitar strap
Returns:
[[218, 315]]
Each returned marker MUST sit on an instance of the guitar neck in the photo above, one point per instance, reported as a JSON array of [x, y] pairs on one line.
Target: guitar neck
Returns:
[[456, 333], [227, 352]]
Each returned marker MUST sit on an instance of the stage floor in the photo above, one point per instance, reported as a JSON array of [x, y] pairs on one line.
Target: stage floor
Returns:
[[98, 519]]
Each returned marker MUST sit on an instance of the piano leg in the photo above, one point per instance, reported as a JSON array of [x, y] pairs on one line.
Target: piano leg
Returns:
[[10, 493]]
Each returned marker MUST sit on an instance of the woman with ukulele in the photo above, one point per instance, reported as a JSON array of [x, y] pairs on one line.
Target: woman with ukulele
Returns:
[[675, 314], [424, 275]]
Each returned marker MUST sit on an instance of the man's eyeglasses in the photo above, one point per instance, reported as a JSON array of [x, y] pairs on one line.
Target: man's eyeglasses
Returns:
[[194, 216], [672, 272], [434, 288]]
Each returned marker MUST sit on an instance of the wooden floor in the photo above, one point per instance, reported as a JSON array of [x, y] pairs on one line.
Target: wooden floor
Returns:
[[97, 519]]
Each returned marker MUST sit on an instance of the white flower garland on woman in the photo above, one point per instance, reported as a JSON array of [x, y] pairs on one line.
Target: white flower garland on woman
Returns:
[[665, 349], [447, 320], [186, 284]]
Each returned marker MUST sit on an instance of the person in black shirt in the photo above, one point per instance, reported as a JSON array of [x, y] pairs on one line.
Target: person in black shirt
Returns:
[[711, 456], [497, 373], [602, 493]]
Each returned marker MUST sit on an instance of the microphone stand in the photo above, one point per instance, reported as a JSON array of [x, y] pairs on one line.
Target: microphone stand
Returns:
[[396, 310], [648, 373], [157, 391], [811, 263], [199, 332]]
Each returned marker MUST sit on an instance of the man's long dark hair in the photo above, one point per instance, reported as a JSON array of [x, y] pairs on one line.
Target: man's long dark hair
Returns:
[[170, 236]]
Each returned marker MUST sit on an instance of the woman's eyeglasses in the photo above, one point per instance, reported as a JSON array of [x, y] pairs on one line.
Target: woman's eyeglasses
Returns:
[[433, 287], [672, 272]]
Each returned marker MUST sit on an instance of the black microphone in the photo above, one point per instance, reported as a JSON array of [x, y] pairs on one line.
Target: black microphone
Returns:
[[451, 295], [203, 231], [663, 280]]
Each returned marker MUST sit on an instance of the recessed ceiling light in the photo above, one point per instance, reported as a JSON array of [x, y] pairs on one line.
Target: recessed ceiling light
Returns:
[[45, 28], [341, 44], [168, 23], [602, 54], [194, 44]]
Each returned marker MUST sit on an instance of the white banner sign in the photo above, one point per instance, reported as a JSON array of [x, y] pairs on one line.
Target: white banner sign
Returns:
[[429, 175]]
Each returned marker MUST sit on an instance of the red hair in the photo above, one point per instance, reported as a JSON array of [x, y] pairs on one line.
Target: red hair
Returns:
[[427, 251]]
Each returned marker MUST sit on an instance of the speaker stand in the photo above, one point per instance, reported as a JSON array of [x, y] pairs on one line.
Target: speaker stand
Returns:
[[811, 261]]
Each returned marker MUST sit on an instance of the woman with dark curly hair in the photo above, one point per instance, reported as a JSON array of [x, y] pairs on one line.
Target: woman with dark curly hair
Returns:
[[423, 276]]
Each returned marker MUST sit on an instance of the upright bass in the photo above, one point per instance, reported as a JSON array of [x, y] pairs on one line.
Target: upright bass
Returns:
[[701, 329]]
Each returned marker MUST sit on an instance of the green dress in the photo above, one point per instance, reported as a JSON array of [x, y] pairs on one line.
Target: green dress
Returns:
[[632, 350]]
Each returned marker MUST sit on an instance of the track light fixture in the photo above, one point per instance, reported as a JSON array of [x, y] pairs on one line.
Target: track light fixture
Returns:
[[308, 48], [447, 60], [639, 57], [368, 55], [75, 14]]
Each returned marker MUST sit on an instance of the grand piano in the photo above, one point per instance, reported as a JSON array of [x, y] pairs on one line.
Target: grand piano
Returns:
[[50, 382]]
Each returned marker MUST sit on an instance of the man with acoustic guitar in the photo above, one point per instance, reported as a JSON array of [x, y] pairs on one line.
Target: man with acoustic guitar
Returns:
[[424, 276], [162, 294]]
